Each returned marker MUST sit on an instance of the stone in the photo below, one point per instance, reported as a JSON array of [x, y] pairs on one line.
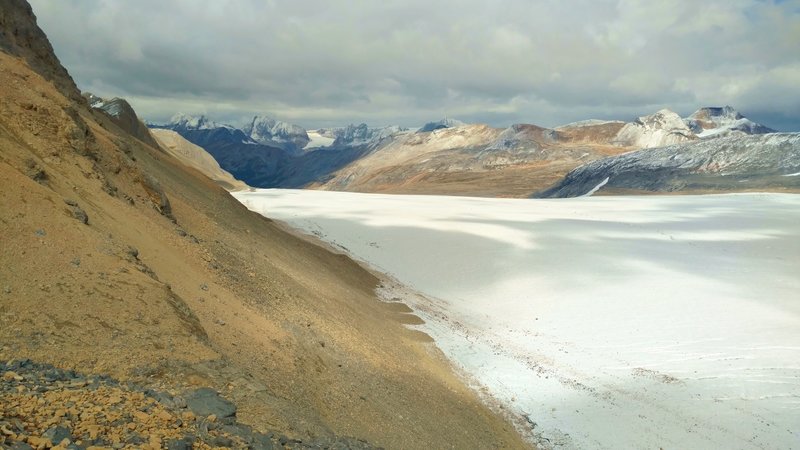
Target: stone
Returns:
[[261, 442], [40, 232], [57, 434], [206, 402], [12, 376], [222, 441], [80, 215], [179, 444]]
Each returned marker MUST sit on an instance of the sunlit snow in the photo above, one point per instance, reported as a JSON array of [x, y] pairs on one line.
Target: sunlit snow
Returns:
[[610, 322]]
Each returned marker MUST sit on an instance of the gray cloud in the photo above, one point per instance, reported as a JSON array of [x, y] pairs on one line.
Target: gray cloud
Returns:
[[322, 63]]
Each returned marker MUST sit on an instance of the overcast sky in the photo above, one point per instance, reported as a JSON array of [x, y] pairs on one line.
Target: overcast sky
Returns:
[[328, 62]]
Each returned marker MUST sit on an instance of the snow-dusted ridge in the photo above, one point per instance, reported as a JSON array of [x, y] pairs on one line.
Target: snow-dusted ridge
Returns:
[[727, 162], [713, 121]]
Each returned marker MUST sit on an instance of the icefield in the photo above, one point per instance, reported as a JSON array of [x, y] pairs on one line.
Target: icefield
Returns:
[[605, 322]]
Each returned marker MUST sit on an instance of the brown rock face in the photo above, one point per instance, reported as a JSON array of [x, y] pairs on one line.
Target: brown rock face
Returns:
[[20, 36]]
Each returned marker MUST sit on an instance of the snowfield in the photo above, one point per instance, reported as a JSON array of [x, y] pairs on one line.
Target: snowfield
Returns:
[[611, 322]]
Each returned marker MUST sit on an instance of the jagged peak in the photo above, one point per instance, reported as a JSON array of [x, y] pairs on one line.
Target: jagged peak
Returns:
[[717, 111], [716, 120], [267, 130], [194, 122]]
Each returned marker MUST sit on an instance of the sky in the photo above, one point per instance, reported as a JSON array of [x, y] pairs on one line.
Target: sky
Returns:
[[320, 63]]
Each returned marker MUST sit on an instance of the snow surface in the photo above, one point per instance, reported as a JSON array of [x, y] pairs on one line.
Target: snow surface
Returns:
[[317, 140], [596, 188], [609, 322]]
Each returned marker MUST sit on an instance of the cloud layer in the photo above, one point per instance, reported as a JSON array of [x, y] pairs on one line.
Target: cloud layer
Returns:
[[332, 62]]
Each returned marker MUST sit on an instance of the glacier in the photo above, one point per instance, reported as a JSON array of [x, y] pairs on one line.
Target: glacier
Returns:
[[600, 322]]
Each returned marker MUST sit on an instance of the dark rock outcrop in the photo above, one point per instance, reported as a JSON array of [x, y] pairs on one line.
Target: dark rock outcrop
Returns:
[[20, 36]]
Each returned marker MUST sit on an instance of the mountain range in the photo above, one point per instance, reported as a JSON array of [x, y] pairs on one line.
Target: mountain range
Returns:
[[451, 157]]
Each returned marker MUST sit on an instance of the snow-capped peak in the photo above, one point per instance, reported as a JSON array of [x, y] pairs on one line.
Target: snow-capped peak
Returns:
[[656, 130], [193, 122], [664, 119], [362, 134], [712, 121], [268, 131]]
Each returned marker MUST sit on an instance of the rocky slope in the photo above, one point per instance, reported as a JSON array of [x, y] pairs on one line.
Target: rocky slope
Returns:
[[122, 114], [731, 163], [120, 261], [196, 157]]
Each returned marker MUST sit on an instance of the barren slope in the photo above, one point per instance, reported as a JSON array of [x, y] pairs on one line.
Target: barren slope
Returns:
[[195, 157], [172, 282], [474, 160]]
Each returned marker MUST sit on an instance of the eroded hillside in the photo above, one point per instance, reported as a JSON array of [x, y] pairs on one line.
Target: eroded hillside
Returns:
[[118, 260]]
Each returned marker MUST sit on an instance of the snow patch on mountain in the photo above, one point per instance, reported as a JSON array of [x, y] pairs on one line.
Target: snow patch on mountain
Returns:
[[114, 107], [318, 140], [665, 127]]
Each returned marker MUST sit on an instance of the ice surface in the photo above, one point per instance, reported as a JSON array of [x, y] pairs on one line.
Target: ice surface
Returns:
[[611, 322], [317, 140]]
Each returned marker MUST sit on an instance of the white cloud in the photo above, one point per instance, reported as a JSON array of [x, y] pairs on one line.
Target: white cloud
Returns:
[[332, 62]]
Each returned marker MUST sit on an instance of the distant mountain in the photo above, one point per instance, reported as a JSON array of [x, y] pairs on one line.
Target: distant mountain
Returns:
[[665, 127], [522, 136], [713, 121], [475, 160], [275, 133], [186, 122], [361, 134], [247, 160], [122, 114], [590, 131], [266, 164], [729, 163], [444, 123]]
